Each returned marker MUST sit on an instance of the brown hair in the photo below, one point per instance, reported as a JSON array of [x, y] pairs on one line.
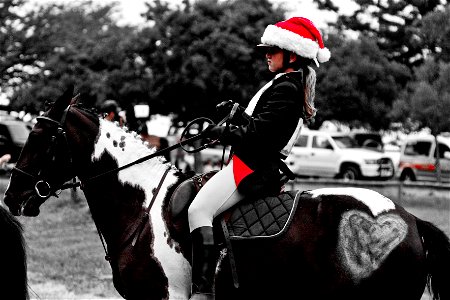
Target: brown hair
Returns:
[[309, 80]]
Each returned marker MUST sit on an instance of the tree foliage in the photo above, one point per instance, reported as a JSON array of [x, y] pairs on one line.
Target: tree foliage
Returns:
[[13, 42], [184, 60], [187, 58], [78, 44], [204, 52], [395, 25], [436, 33], [427, 99], [359, 85]]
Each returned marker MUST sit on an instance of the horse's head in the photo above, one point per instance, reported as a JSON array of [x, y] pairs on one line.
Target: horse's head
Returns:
[[46, 160]]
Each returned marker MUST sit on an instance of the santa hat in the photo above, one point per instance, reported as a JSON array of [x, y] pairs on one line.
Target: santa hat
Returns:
[[298, 35]]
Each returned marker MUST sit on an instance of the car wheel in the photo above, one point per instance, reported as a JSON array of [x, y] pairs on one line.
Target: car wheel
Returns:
[[407, 175], [350, 173]]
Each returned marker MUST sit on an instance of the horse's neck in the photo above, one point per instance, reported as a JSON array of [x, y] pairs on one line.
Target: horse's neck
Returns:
[[124, 148]]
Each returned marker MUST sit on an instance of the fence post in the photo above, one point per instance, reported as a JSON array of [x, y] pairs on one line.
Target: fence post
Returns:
[[400, 192]]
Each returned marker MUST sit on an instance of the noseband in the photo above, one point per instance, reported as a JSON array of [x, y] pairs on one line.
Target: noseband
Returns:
[[42, 188]]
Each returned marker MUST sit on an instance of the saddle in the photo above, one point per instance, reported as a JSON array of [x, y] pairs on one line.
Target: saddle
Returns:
[[251, 218], [261, 218]]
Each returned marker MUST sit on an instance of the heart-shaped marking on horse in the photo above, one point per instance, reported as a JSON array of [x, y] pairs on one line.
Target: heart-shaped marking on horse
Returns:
[[365, 242]]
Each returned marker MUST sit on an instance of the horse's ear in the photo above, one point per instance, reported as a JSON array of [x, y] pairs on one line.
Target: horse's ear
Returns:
[[64, 100], [75, 99]]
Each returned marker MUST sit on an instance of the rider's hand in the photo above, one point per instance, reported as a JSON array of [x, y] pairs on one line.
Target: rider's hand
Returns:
[[214, 132], [224, 108]]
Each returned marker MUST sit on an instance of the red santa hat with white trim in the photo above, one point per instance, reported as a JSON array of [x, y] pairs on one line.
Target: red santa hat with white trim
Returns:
[[298, 35]]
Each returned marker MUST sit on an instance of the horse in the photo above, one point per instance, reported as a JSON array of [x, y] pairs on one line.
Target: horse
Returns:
[[13, 271], [333, 243]]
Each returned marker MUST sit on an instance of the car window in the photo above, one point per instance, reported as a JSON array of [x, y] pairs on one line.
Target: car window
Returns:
[[302, 141], [321, 142], [345, 142], [442, 149], [417, 148], [19, 132]]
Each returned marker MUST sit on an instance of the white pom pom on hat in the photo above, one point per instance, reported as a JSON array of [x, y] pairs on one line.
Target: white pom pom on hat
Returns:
[[323, 55], [298, 35]]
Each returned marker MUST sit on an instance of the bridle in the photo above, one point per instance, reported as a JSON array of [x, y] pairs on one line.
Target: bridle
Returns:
[[42, 187]]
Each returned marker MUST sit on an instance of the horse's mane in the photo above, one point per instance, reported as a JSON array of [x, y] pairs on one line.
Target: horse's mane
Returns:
[[92, 113]]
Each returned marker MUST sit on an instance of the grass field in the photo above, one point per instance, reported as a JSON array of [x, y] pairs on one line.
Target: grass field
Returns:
[[66, 258]]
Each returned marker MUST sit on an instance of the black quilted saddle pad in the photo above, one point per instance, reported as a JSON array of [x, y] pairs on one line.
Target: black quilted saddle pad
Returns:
[[266, 217]]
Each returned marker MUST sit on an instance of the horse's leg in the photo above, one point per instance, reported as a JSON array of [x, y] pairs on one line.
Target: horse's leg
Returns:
[[139, 275]]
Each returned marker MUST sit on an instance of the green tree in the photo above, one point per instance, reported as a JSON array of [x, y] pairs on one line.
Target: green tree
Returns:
[[359, 84], [435, 32], [79, 44], [426, 101], [13, 48], [204, 52], [395, 25]]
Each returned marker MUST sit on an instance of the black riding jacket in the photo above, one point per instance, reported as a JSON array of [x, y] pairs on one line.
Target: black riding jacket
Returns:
[[258, 139]]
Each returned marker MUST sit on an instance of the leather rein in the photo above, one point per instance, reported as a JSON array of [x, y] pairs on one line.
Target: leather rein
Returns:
[[44, 190]]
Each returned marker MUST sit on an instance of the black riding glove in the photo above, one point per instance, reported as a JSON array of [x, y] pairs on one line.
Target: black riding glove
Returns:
[[239, 117], [214, 131], [224, 107], [219, 133]]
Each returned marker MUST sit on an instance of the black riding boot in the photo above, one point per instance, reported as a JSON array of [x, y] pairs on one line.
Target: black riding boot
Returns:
[[203, 263]]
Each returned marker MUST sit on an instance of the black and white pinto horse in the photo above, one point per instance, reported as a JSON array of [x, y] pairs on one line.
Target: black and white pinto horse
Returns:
[[343, 243], [13, 268]]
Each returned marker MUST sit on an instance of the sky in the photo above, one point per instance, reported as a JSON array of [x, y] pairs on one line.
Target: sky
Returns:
[[130, 9]]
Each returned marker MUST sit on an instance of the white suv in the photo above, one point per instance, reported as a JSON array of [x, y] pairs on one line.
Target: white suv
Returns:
[[418, 158], [337, 155]]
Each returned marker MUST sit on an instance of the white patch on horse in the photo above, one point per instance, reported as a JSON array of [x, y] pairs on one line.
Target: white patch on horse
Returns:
[[365, 242], [147, 175], [376, 202]]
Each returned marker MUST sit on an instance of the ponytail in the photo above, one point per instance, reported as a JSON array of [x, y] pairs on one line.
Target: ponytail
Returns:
[[309, 80]]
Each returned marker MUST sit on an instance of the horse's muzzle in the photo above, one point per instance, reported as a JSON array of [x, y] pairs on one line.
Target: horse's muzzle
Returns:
[[29, 207]]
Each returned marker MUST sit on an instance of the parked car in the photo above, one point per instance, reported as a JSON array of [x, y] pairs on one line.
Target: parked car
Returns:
[[370, 140], [337, 155], [418, 158], [13, 135]]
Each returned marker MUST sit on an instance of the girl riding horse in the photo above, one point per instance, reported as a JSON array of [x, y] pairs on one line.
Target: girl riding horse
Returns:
[[275, 114]]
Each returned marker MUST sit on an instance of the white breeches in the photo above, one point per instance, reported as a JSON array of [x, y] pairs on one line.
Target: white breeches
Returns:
[[217, 195]]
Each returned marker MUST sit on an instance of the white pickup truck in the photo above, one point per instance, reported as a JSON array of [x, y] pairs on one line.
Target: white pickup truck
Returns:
[[337, 155]]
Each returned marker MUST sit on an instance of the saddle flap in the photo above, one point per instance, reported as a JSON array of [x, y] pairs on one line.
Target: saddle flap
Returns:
[[186, 192]]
